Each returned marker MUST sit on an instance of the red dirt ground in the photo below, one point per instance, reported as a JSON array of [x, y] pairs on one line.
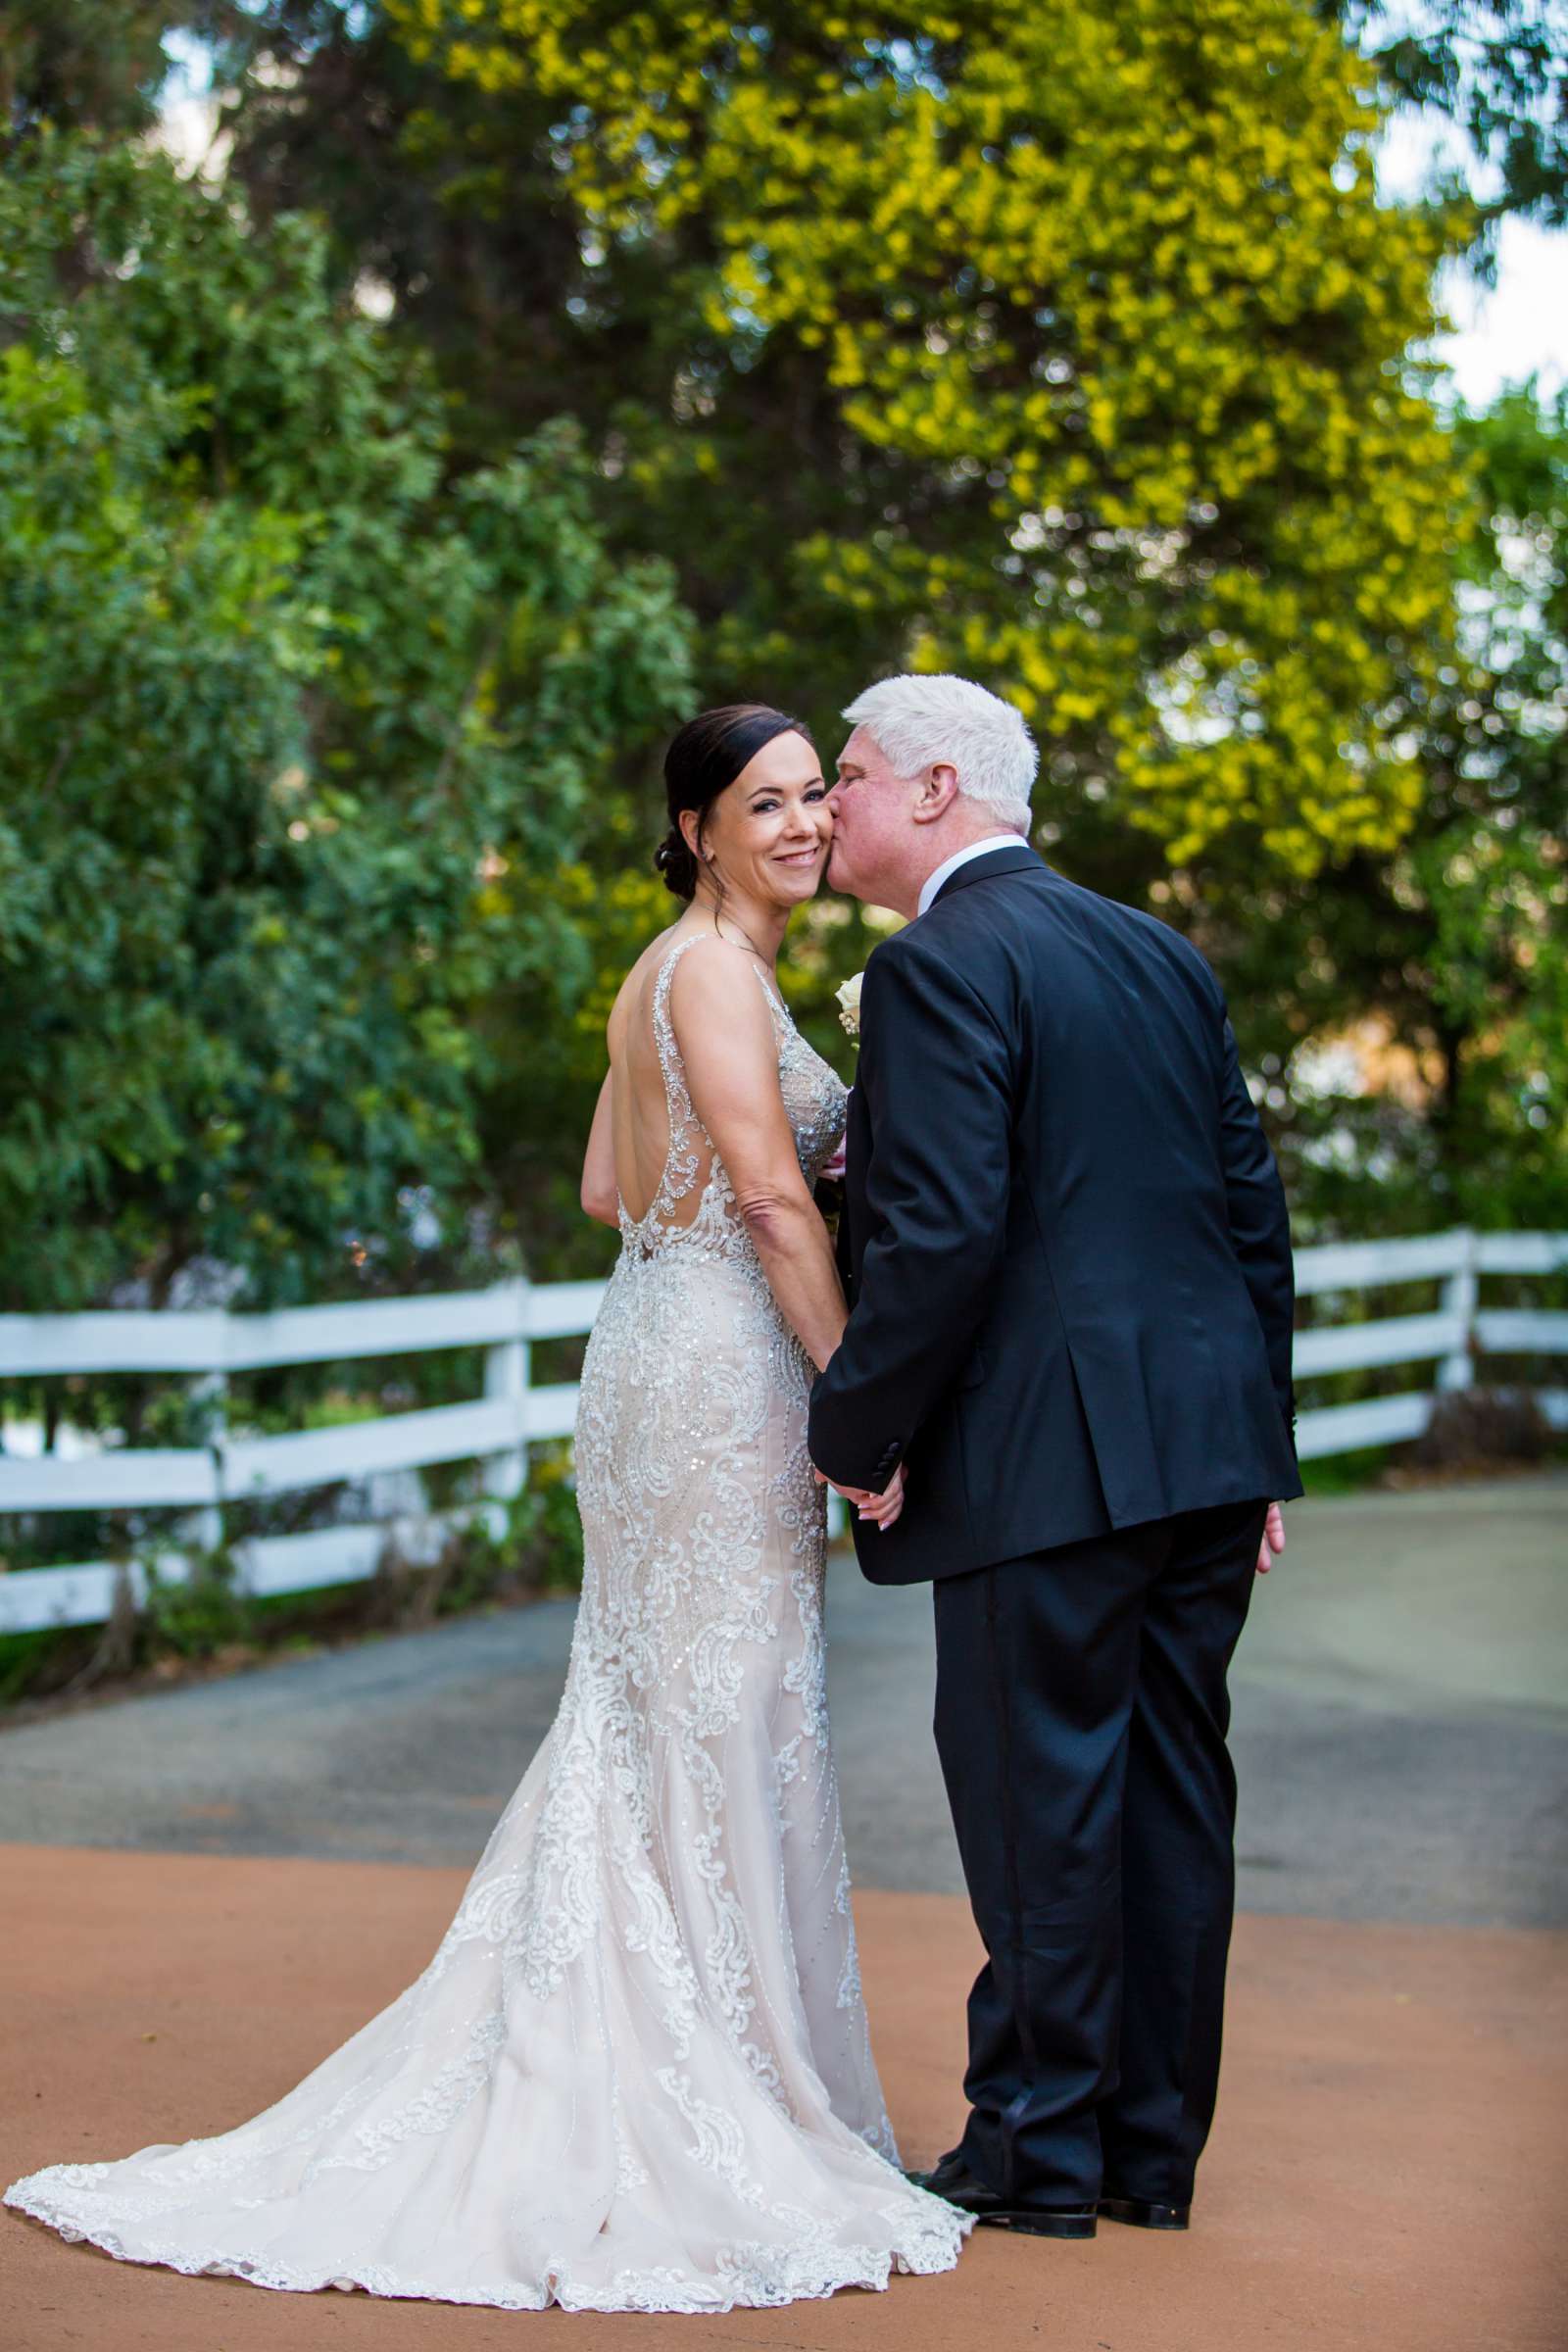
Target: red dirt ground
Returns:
[[1385, 2170]]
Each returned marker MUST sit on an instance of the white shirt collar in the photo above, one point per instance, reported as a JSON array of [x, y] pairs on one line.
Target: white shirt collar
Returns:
[[950, 866]]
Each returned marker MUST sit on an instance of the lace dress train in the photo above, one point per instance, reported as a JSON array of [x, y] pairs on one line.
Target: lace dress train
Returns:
[[636, 2073]]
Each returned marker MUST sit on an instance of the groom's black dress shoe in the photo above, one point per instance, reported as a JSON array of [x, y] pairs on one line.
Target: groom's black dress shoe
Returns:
[[958, 2187], [1144, 2214]]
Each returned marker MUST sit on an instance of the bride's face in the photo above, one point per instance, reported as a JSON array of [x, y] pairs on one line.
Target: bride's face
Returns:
[[770, 831]]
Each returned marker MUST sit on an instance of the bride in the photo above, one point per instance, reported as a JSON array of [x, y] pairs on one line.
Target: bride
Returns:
[[636, 2074]]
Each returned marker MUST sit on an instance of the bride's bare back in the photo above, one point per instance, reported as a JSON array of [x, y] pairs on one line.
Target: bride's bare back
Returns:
[[639, 1113], [713, 1121], [639, 1097]]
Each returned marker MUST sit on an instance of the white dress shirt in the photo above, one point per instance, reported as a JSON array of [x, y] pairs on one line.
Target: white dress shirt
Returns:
[[950, 866]]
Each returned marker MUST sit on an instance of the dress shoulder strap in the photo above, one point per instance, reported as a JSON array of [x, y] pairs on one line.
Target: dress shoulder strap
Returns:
[[782, 1022], [662, 980], [682, 1161]]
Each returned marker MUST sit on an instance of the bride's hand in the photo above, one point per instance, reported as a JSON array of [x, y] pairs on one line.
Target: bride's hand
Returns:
[[881, 1508], [885, 1507]]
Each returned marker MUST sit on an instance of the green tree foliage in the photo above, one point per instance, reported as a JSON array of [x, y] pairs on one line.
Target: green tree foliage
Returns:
[[449, 203], [1412, 1011], [294, 733], [1089, 342], [1062, 346], [96, 64], [1066, 346], [1499, 70], [1487, 867]]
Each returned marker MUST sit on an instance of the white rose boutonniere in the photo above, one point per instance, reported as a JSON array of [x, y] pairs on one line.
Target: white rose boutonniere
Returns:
[[848, 1002]]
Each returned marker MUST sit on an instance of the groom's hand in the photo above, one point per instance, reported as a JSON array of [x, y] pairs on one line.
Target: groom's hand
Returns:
[[1273, 1538], [881, 1509]]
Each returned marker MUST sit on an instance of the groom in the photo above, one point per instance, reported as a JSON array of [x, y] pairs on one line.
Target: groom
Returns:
[[1068, 1265]]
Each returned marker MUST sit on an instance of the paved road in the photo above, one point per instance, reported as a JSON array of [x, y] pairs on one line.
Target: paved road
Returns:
[[1401, 1729]]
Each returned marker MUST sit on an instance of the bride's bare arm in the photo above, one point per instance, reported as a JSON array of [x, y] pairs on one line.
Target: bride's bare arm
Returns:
[[726, 1033], [600, 1197]]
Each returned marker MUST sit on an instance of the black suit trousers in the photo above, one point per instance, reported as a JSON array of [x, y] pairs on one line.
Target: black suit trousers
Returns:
[[1081, 1713]]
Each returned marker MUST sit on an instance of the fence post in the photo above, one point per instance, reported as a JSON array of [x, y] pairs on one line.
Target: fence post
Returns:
[[210, 1390], [1460, 1296], [505, 1375]]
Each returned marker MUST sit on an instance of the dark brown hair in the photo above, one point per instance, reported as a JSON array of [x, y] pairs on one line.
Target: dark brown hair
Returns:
[[702, 762]]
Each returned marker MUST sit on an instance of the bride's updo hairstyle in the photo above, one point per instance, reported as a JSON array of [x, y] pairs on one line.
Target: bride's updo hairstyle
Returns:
[[702, 762]]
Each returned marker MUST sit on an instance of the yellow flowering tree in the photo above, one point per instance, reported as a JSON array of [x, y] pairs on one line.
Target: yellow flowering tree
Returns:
[[1066, 346]]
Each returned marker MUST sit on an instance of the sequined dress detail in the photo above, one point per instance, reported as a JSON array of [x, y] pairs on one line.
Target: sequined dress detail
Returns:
[[636, 2074]]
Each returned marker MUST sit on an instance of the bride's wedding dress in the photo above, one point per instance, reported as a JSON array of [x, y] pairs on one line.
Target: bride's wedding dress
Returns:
[[636, 2074]]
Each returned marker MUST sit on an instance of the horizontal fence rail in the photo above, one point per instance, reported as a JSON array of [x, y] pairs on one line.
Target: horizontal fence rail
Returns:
[[496, 1428], [1453, 1339]]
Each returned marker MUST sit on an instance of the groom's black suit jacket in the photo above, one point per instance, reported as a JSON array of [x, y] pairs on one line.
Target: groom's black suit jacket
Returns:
[[1064, 1239]]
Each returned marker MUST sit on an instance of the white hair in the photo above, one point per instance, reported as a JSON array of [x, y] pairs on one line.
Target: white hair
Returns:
[[919, 722]]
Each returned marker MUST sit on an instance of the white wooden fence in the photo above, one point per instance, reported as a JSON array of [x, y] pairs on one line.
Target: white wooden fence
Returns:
[[496, 1428]]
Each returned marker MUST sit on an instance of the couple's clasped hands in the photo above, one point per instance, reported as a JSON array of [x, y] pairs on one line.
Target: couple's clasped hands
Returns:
[[881, 1509]]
